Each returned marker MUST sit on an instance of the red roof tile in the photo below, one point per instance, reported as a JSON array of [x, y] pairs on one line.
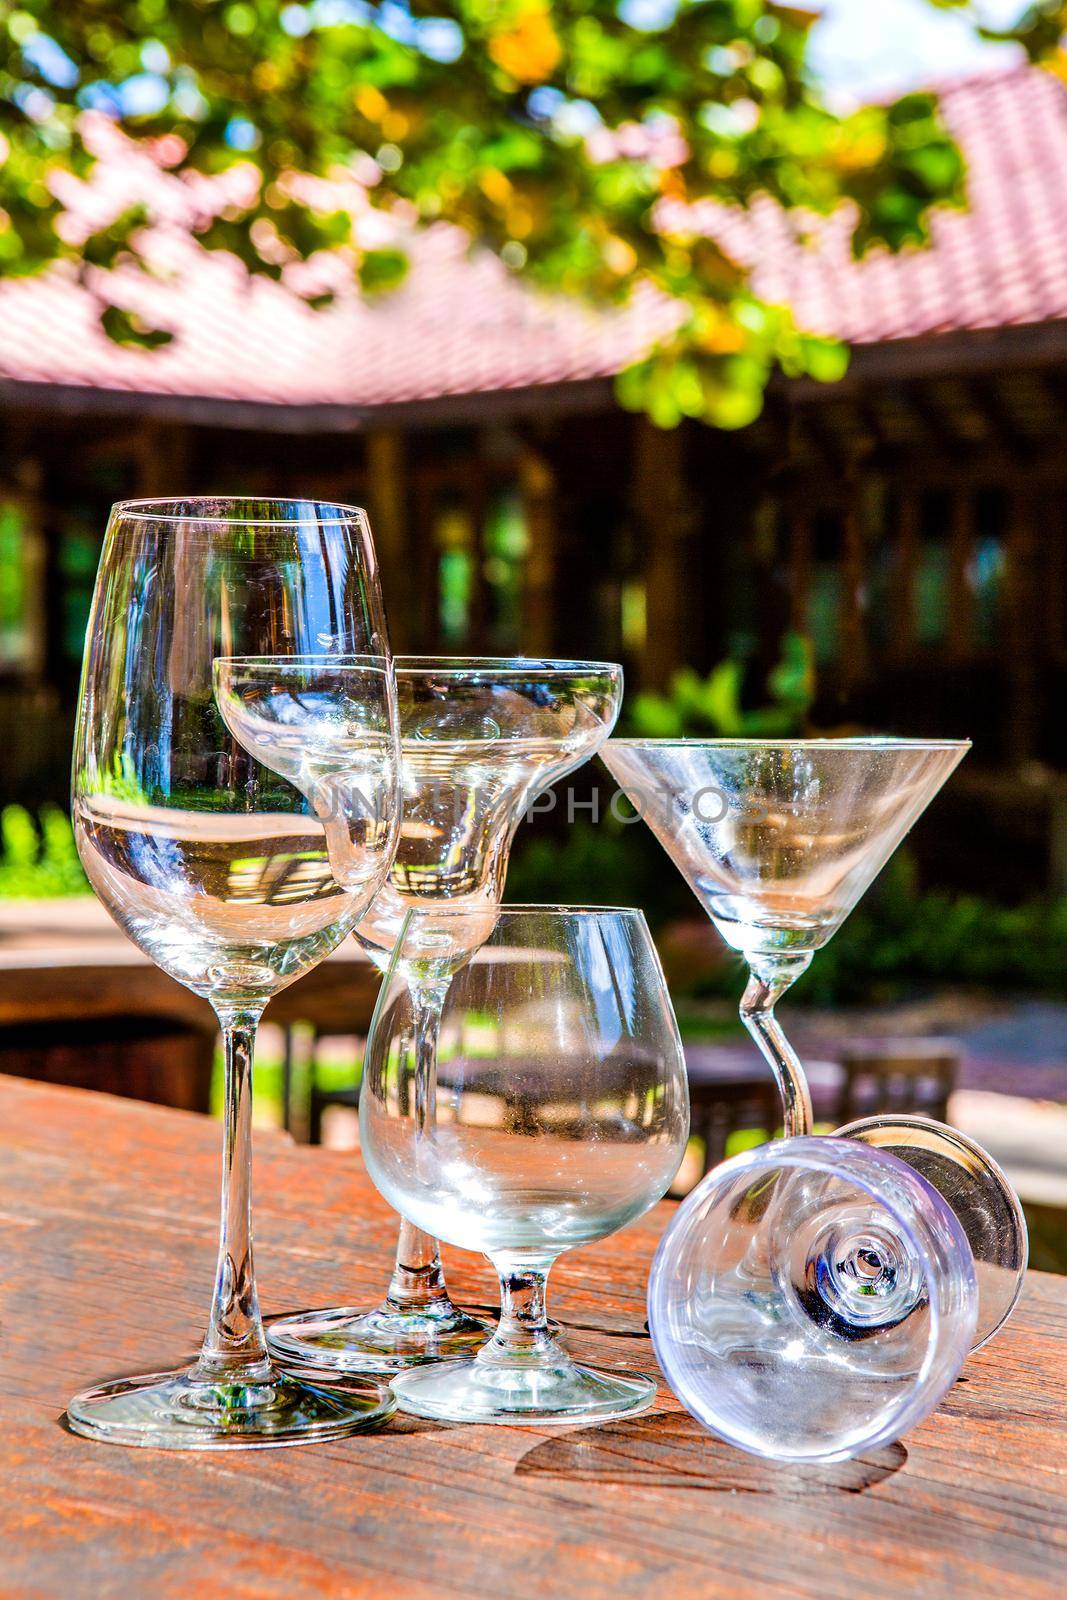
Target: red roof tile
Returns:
[[1003, 261], [463, 325]]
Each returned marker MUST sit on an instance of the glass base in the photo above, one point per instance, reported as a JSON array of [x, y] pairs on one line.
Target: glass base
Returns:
[[984, 1202], [180, 1410], [481, 1391], [386, 1339]]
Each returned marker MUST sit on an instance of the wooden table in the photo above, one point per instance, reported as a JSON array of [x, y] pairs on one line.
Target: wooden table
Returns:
[[107, 1232], [67, 958], [68, 972]]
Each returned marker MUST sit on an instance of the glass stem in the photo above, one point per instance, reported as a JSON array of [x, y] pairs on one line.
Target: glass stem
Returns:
[[522, 1337], [418, 1280], [234, 1346], [770, 977]]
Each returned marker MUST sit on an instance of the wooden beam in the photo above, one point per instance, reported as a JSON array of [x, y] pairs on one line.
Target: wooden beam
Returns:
[[388, 495], [960, 641], [537, 485], [665, 521], [909, 521], [982, 350]]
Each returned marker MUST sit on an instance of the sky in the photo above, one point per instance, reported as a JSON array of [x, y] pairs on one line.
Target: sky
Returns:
[[864, 49]]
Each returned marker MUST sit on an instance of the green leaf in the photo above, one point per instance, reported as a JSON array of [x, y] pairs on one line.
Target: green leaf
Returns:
[[127, 328], [382, 270], [825, 360]]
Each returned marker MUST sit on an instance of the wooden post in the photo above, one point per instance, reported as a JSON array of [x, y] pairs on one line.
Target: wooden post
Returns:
[[1021, 596], [664, 521], [163, 455], [38, 553], [907, 552], [387, 486], [537, 486], [1054, 622], [799, 569], [960, 551], [853, 650]]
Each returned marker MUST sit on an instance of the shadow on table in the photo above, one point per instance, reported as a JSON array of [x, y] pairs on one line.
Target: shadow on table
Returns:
[[671, 1451]]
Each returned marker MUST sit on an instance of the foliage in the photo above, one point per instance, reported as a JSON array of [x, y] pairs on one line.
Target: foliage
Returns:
[[713, 705], [38, 861], [608, 862], [573, 139], [901, 937], [120, 780]]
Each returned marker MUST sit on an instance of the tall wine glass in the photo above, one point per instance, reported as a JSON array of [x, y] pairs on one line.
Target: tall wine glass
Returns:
[[480, 738], [778, 839], [559, 1113], [232, 878]]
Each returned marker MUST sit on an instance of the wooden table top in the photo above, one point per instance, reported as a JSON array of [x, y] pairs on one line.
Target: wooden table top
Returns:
[[65, 959], [107, 1243]]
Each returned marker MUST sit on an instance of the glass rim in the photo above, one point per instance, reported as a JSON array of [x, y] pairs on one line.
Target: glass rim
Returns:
[[380, 660], [803, 1152], [522, 909], [503, 666], [848, 742], [904, 1199], [166, 510]]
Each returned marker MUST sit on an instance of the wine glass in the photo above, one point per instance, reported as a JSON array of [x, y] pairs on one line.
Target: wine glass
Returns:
[[235, 880], [812, 1300], [317, 722], [778, 840], [480, 738], [559, 1112]]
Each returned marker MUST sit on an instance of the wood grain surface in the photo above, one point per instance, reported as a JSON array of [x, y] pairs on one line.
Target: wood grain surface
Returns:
[[107, 1228]]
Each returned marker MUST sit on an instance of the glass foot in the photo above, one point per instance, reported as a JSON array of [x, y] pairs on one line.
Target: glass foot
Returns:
[[180, 1410], [984, 1202], [386, 1339], [481, 1391]]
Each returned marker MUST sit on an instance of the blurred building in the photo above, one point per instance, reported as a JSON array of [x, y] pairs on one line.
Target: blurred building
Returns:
[[909, 519]]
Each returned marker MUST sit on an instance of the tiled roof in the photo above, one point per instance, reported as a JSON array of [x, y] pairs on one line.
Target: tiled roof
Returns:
[[1001, 262], [463, 325]]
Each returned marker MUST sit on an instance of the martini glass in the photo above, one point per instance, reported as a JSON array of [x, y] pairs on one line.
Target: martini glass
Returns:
[[778, 840], [480, 739]]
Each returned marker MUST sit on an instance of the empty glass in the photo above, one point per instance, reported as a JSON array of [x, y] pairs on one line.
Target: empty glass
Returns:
[[480, 738], [559, 1112], [813, 1299], [235, 876]]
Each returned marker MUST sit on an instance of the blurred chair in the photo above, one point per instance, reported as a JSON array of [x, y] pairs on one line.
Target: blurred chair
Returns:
[[305, 1100], [911, 1075], [334, 1000], [732, 1090], [321, 1100]]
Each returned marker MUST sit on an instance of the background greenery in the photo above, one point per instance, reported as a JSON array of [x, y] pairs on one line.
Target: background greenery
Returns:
[[900, 938], [38, 858]]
